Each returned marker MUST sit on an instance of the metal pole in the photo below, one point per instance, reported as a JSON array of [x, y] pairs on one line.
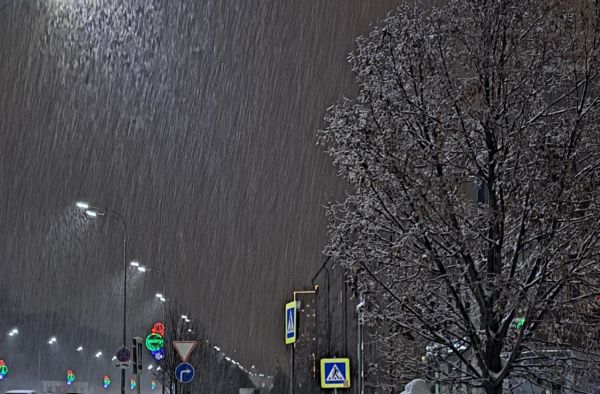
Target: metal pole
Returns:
[[359, 350], [292, 368], [116, 215], [124, 298], [121, 221], [39, 368], [163, 320]]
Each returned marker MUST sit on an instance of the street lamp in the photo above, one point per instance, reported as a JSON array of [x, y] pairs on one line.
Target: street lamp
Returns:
[[94, 212]]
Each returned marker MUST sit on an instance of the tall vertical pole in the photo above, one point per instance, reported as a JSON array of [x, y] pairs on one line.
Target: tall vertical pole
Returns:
[[359, 349], [122, 221], [292, 368], [39, 378], [163, 320], [95, 211], [138, 345]]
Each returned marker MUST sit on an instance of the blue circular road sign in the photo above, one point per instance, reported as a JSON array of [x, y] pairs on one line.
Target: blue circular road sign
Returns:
[[185, 372]]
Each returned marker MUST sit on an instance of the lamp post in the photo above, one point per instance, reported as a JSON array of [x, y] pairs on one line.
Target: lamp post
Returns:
[[94, 212]]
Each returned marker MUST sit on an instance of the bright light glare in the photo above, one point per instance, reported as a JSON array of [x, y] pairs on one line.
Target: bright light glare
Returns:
[[184, 317], [98, 354], [163, 299], [159, 295], [141, 268], [91, 214], [79, 349], [134, 263], [150, 366], [114, 358], [82, 205]]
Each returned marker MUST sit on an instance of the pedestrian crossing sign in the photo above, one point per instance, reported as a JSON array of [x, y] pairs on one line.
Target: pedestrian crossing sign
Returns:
[[290, 322], [335, 373]]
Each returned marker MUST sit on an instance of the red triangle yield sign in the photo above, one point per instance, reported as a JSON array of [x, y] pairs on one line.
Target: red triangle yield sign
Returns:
[[184, 349]]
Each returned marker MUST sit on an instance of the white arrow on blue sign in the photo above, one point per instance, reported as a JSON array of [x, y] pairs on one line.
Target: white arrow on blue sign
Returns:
[[184, 372]]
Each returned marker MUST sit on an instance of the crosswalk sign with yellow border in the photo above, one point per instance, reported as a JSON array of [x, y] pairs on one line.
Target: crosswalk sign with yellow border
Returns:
[[335, 373], [290, 322]]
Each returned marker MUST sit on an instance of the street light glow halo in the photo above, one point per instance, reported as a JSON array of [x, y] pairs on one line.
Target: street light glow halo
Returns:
[[82, 205], [91, 213]]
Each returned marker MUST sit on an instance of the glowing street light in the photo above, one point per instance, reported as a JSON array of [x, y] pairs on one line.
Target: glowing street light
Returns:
[[82, 205], [91, 213]]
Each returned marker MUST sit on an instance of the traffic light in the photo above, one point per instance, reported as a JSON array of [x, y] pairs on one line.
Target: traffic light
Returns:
[[136, 355]]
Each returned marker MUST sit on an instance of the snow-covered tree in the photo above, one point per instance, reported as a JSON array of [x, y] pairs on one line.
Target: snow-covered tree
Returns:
[[473, 154]]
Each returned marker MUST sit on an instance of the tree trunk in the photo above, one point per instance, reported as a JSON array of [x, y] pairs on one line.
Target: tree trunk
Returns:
[[489, 389]]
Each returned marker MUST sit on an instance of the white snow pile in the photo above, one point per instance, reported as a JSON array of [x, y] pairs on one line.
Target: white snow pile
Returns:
[[417, 386]]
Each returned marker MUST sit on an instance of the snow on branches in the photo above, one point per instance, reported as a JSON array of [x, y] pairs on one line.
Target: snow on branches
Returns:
[[473, 154]]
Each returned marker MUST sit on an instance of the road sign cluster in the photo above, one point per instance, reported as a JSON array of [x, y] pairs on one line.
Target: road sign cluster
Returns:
[[184, 372]]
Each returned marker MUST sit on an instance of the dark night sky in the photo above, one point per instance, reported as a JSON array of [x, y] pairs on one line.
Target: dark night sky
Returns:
[[196, 120]]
